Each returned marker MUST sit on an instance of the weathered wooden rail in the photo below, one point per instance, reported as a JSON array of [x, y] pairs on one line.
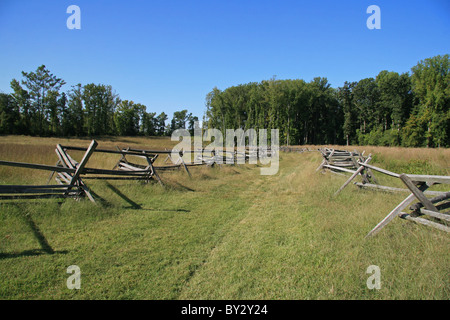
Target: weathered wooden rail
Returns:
[[341, 162], [70, 174], [434, 207], [69, 179], [211, 157], [153, 156], [123, 170], [416, 185], [296, 149]]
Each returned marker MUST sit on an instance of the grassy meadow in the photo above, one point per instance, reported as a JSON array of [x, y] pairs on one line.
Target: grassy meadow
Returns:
[[226, 233]]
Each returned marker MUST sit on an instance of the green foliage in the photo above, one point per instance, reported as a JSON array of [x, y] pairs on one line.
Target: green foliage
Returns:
[[303, 112], [161, 123], [345, 99], [43, 91], [178, 120], [73, 120], [375, 137], [378, 137], [389, 110], [391, 138], [413, 133], [127, 118], [100, 104], [149, 123], [431, 84], [395, 98], [9, 114]]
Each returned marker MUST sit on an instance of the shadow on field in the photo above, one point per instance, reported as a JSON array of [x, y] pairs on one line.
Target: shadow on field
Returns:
[[181, 187], [135, 206], [45, 246], [29, 253], [167, 210], [39, 235]]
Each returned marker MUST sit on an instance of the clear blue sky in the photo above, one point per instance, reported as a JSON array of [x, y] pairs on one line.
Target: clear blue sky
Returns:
[[169, 54]]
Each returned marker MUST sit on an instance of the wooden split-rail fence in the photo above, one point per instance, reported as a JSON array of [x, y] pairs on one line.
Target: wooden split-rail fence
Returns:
[[71, 175], [433, 209], [123, 170], [341, 161], [70, 183], [296, 149], [212, 157]]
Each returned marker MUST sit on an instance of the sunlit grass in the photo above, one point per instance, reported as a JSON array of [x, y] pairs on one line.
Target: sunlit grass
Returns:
[[225, 233]]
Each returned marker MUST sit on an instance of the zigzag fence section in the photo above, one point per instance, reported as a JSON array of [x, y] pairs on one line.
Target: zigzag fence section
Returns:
[[432, 212], [71, 175]]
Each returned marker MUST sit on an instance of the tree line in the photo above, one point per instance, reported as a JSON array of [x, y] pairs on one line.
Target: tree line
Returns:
[[408, 109], [38, 107], [391, 109]]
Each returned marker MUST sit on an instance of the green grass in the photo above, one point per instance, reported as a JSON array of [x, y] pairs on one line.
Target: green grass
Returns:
[[227, 233]]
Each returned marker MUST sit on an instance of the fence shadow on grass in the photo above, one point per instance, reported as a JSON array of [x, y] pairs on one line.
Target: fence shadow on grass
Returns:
[[181, 187], [45, 246], [133, 205], [168, 210], [29, 253], [136, 206]]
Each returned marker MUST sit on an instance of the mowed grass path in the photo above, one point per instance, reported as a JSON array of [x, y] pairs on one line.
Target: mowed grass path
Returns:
[[227, 233]]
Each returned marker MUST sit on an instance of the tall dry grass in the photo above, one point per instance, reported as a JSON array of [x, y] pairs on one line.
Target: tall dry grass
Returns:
[[40, 150], [438, 158]]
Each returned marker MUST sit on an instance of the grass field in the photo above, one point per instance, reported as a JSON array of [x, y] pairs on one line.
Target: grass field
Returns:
[[227, 233]]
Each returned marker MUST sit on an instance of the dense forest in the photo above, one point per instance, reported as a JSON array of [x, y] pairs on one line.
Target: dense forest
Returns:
[[391, 110], [411, 110], [37, 107]]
